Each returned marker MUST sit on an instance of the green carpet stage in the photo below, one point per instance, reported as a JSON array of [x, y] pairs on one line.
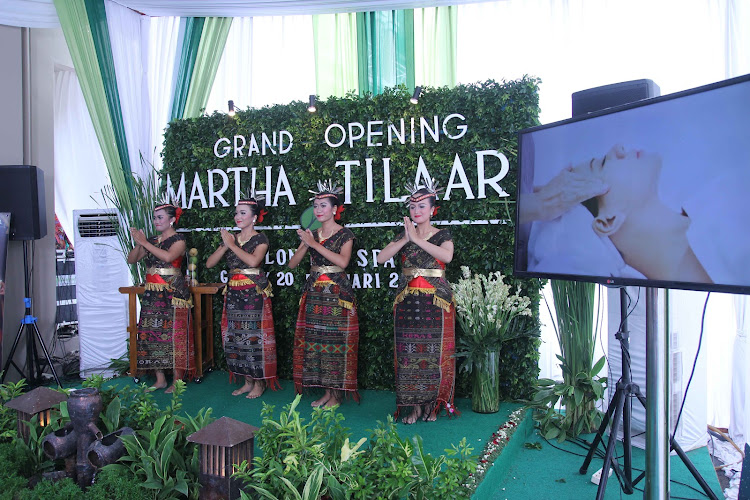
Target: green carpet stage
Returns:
[[519, 472]]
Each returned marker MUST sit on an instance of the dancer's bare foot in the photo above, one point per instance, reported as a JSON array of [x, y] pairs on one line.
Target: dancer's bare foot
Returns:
[[333, 401], [413, 416], [170, 389], [257, 391], [321, 401], [249, 385], [161, 381], [430, 413]]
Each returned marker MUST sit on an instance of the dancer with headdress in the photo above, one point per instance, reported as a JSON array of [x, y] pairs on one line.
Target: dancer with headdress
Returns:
[[423, 311], [247, 331], [165, 336], [326, 338]]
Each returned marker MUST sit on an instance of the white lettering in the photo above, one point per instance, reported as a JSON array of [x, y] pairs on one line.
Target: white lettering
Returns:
[[458, 169], [226, 148], [180, 195], [285, 135], [237, 181], [238, 149], [492, 181], [283, 188], [355, 137], [361, 257], [461, 128], [372, 131], [213, 194], [338, 127], [197, 193]]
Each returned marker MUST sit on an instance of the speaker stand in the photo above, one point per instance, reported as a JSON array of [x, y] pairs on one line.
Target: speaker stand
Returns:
[[29, 326], [657, 431]]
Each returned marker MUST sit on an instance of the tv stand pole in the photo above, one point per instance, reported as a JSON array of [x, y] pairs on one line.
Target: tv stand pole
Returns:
[[657, 409]]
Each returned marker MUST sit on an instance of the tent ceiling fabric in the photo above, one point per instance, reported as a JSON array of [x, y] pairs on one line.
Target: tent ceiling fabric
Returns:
[[41, 13], [254, 8]]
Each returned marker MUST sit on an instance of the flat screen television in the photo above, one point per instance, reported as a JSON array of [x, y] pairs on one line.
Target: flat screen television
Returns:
[[654, 193]]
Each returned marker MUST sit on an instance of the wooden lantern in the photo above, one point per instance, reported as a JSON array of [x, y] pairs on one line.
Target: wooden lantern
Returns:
[[36, 404], [224, 444]]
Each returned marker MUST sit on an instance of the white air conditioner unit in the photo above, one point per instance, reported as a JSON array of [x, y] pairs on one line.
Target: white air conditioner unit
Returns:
[[101, 270]]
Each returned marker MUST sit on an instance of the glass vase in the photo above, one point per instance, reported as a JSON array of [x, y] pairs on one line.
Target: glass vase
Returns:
[[485, 389]]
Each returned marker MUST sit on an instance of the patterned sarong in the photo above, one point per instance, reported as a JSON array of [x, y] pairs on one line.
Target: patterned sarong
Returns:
[[326, 341]]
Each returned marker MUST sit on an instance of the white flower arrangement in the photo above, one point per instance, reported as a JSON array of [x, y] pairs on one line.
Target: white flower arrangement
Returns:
[[486, 309]]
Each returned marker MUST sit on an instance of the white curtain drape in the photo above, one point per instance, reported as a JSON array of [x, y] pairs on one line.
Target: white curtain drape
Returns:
[[127, 51], [549, 365], [267, 60], [80, 172], [160, 40], [29, 14], [576, 45]]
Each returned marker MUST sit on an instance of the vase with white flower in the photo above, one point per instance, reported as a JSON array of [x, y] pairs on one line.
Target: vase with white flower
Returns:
[[488, 311]]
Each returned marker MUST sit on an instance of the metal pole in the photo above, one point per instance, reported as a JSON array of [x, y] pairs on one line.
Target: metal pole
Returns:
[[657, 409]]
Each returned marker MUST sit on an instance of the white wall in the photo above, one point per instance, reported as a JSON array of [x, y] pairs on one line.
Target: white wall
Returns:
[[48, 48]]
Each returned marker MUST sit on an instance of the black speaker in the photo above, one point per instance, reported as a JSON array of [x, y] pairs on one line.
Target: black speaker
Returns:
[[22, 194], [607, 96]]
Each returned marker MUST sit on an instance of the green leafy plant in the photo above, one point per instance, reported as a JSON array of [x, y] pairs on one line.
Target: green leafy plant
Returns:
[[310, 460], [135, 208], [159, 456], [581, 387], [9, 391], [122, 485]]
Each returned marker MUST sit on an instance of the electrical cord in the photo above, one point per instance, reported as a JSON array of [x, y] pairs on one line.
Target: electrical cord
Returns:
[[695, 363]]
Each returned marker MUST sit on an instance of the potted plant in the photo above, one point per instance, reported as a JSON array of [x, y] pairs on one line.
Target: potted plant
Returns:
[[487, 312], [581, 386]]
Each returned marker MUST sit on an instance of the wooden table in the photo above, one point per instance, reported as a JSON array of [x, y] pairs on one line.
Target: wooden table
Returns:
[[203, 327]]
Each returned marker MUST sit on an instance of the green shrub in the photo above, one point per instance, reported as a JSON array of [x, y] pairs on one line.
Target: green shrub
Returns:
[[118, 484], [65, 489], [310, 460], [11, 485]]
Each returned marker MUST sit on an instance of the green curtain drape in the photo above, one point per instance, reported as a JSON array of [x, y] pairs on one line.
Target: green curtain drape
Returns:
[[188, 54], [212, 42], [77, 31], [435, 34], [385, 49], [335, 47], [97, 18]]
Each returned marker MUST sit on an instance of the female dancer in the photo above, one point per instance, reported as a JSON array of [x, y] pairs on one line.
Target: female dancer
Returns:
[[424, 314], [165, 336], [327, 335], [247, 324]]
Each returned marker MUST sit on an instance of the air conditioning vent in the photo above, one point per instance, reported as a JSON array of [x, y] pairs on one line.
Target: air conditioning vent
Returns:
[[96, 225]]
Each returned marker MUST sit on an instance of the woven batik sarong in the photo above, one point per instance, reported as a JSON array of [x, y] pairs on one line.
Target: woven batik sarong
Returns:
[[165, 339], [425, 344], [248, 333], [326, 340], [424, 331], [165, 335]]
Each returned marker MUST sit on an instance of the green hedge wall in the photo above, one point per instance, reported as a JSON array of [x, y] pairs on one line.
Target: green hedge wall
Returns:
[[493, 113]]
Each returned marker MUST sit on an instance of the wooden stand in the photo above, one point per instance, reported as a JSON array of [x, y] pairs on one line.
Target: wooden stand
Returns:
[[203, 327]]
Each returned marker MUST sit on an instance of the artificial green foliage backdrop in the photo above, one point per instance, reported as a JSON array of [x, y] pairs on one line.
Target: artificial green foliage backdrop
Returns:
[[493, 112]]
